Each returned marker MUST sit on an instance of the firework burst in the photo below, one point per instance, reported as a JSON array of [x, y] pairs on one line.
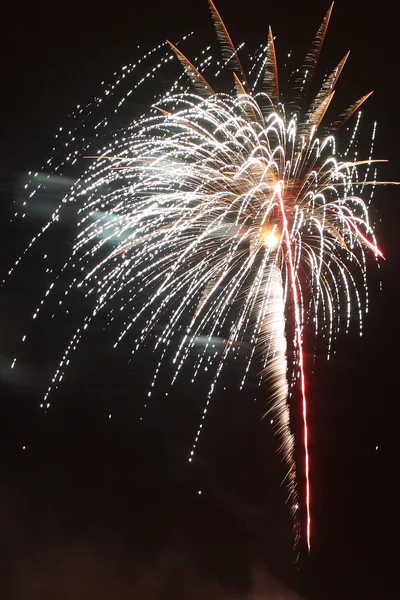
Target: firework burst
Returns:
[[228, 212]]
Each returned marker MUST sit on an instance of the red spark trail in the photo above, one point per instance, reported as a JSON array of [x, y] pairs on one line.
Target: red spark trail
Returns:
[[366, 241], [298, 328]]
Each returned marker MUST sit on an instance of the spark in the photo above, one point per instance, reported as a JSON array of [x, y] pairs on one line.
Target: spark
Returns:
[[269, 239]]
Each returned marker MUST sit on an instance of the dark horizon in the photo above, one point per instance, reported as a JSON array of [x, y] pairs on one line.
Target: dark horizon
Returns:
[[111, 504]]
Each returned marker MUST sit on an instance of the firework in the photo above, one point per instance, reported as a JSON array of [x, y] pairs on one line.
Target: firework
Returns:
[[227, 213]]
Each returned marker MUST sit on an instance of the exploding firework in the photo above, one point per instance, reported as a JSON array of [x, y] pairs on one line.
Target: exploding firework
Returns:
[[229, 213]]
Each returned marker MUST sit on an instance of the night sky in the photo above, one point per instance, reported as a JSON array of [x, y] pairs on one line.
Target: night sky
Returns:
[[100, 507]]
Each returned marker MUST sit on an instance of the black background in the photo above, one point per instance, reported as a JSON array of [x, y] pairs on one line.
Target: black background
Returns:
[[99, 507]]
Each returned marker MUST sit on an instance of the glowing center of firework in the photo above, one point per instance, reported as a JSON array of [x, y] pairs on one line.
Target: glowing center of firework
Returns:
[[269, 239]]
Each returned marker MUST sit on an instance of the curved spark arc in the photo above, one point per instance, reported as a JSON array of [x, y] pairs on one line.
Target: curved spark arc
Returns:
[[217, 200]]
